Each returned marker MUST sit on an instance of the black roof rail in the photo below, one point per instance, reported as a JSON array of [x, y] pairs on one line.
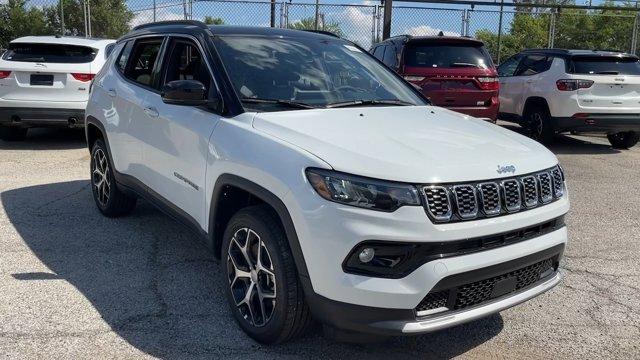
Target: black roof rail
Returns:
[[323, 32], [197, 23]]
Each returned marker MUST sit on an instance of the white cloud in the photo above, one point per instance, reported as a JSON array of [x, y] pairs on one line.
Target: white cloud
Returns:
[[426, 30], [146, 16]]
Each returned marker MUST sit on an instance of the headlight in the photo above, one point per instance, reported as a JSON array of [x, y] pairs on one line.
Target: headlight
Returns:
[[362, 192]]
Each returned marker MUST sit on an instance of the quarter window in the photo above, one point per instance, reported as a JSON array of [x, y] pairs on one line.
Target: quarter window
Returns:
[[379, 52], [390, 56], [143, 61], [508, 68]]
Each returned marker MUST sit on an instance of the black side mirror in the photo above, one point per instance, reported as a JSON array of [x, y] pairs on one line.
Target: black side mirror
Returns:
[[185, 92]]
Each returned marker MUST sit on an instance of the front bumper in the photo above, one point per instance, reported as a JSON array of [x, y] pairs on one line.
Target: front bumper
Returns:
[[382, 321], [32, 117], [599, 123]]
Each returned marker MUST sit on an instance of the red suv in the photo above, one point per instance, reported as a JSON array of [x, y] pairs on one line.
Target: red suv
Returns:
[[453, 72]]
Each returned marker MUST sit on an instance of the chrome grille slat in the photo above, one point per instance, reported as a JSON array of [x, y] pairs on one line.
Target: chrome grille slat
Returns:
[[530, 191], [466, 201], [483, 199], [490, 198], [438, 202], [546, 187]]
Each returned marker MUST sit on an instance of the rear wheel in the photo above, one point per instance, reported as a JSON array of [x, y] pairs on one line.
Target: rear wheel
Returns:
[[111, 201], [623, 140], [262, 283], [13, 133], [537, 121]]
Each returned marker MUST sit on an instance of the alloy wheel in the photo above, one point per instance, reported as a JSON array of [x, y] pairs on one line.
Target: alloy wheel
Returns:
[[251, 277], [536, 124], [100, 177]]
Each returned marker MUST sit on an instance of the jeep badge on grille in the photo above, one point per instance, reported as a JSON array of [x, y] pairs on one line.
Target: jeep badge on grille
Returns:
[[506, 169]]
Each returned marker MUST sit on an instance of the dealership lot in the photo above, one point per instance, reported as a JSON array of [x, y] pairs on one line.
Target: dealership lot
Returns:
[[76, 284]]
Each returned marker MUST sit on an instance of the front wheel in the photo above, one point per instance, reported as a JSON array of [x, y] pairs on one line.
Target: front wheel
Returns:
[[623, 140], [12, 133], [111, 201], [260, 276]]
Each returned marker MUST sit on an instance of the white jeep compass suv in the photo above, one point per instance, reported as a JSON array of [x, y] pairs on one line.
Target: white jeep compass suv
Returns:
[[550, 91], [325, 183], [44, 81]]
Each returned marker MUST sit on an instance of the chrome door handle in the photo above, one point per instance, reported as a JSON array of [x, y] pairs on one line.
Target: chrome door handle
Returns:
[[111, 93], [151, 112]]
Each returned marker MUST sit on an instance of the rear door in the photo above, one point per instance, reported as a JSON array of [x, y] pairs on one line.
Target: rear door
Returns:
[[451, 74], [616, 82], [48, 72]]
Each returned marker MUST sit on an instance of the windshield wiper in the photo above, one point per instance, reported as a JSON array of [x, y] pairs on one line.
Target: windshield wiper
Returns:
[[464, 64], [369, 102], [290, 103]]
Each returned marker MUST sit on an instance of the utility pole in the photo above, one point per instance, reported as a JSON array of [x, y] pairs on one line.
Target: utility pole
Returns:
[[62, 17], [315, 24], [386, 25], [273, 13]]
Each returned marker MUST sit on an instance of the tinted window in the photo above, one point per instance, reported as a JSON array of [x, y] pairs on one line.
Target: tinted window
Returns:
[[508, 68], [186, 63], [389, 58], [379, 52], [534, 64], [604, 65], [315, 72], [446, 56], [51, 53], [121, 64], [143, 60], [108, 49]]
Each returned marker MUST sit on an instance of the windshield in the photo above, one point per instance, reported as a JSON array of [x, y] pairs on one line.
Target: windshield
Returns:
[[271, 73], [447, 56], [51, 53], [605, 65]]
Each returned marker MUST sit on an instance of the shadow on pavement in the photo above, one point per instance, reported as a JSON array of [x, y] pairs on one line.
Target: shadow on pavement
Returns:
[[569, 144], [159, 289], [48, 139]]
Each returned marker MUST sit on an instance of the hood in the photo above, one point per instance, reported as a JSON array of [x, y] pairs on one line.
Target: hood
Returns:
[[418, 144]]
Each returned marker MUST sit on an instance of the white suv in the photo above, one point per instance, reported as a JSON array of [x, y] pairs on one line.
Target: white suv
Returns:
[[325, 183], [44, 81], [550, 91]]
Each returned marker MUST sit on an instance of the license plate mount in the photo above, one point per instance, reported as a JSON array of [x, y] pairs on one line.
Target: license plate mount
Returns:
[[41, 80]]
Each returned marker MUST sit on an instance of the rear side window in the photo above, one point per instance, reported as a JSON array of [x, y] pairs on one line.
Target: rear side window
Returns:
[[379, 52], [141, 65], [447, 56], [390, 57], [604, 65], [49, 53]]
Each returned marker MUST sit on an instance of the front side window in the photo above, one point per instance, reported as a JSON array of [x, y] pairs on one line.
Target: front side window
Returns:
[[49, 53], [123, 58], [186, 63], [328, 72], [604, 65], [436, 55], [143, 61], [534, 64]]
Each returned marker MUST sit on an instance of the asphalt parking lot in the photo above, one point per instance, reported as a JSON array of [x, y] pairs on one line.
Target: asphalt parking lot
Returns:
[[74, 284]]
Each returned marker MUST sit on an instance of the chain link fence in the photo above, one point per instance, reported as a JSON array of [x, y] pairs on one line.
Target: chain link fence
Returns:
[[505, 30]]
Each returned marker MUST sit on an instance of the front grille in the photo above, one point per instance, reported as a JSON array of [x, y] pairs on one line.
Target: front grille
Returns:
[[468, 201], [478, 292]]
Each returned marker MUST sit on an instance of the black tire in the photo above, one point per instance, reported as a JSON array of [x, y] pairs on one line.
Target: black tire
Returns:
[[12, 133], [623, 140], [285, 317], [110, 200], [537, 122]]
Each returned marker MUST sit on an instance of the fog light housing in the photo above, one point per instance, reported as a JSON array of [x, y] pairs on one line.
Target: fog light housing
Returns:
[[366, 255]]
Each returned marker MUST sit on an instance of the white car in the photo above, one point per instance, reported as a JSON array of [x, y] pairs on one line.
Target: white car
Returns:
[[326, 185], [44, 81], [550, 91]]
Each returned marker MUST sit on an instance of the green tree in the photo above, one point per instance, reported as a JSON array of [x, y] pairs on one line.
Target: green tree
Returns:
[[109, 18], [209, 20], [309, 24], [17, 20]]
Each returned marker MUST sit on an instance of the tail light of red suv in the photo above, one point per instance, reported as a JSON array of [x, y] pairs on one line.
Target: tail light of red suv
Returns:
[[489, 83], [573, 84]]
